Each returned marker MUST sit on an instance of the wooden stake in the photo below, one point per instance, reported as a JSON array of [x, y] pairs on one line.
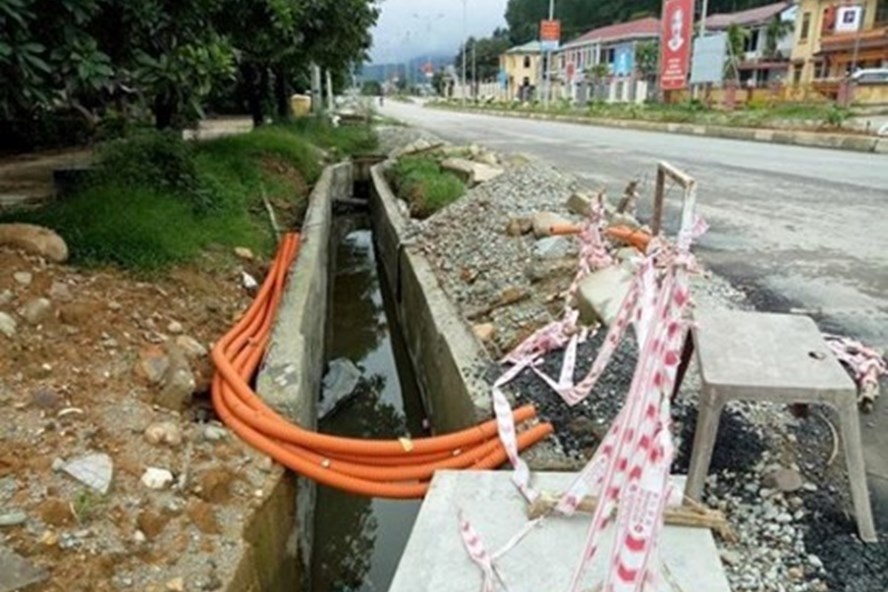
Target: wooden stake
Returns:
[[692, 514]]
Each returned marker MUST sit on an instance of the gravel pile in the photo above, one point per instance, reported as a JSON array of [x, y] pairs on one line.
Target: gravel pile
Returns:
[[481, 266]]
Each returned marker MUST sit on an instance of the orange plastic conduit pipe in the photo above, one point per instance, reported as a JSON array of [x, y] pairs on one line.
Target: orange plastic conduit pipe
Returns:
[[395, 469]]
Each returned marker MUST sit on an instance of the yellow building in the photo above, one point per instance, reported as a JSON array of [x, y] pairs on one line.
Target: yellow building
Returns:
[[523, 68], [833, 38]]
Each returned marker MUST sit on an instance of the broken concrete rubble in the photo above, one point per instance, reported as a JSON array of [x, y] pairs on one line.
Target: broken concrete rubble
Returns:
[[602, 294], [94, 470], [544, 222], [339, 385], [472, 173]]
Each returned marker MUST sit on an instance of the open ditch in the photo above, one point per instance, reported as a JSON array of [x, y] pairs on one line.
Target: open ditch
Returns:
[[359, 541]]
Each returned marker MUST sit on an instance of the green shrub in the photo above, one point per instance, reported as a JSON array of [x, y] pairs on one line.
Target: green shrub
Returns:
[[836, 116], [420, 181]]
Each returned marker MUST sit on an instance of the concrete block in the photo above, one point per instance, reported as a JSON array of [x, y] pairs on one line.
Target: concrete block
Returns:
[[860, 143], [602, 294], [881, 146], [435, 558], [581, 204], [471, 172]]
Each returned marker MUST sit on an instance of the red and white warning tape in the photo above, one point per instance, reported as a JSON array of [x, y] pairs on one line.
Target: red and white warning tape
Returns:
[[867, 365], [632, 464]]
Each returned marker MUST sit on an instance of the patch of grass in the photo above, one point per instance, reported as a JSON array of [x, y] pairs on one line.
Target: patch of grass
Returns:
[[342, 141], [424, 185], [87, 505], [155, 200]]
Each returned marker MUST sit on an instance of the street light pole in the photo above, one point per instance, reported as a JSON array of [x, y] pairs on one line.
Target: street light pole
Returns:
[[464, 48], [549, 59]]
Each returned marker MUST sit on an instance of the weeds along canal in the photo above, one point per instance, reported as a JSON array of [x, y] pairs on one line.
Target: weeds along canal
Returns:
[[359, 541]]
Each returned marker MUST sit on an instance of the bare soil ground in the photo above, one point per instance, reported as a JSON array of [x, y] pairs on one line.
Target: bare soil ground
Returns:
[[70, 386]]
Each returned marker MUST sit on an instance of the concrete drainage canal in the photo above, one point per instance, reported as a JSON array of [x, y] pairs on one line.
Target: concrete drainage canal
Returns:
[[369, 392], [339, 363]]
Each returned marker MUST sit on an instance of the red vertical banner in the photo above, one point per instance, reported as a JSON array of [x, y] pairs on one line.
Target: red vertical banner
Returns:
[[675, 43]]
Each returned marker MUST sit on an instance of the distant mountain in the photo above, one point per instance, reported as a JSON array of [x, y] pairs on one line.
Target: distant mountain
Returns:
[[412, 69]]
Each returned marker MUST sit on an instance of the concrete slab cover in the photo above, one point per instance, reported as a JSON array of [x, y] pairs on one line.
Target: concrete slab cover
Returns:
[[435, 558], [767, 351]]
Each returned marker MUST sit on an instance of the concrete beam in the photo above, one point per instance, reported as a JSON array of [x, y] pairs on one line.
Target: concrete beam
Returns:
[[442, 347], [292, 372]]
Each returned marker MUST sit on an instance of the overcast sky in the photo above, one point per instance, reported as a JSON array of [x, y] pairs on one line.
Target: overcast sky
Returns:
[[437, 28]]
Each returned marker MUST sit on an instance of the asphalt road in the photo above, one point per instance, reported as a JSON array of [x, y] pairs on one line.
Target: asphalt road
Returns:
[[797, 229]]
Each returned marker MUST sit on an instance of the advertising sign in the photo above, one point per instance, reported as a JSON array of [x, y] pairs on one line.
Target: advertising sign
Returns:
[[710, 54], [624, 60], [550, 35], [675, 53], [849, 19]]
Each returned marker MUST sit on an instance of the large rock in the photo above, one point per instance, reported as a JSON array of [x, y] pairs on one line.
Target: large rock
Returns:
[[37, 310], [473, 173], [544, 221], [339, 385], [34, 239], [602, 294], [179, 383], [7, 325]]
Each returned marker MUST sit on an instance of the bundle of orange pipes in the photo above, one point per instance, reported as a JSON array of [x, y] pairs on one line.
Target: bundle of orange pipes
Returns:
[[377, 468]]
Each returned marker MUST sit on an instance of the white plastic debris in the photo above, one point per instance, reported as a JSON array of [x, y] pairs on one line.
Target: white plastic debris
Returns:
[[157, 478], [250, 282], [94, 470]]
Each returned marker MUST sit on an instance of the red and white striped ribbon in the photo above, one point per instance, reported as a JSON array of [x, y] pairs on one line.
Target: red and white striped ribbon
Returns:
[[867, 364], [477, 552]]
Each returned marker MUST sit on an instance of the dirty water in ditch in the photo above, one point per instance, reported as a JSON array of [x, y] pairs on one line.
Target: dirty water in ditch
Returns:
[[359, 541]]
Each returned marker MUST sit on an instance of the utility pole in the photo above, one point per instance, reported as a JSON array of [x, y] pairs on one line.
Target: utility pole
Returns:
[[549, 59], [703, 16], [464, 48], [856, 54], [474, 70]]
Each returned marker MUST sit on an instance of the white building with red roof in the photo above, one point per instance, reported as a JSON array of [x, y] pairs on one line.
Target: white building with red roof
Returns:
[[607, 50]]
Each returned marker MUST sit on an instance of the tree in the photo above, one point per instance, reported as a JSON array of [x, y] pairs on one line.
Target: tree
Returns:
[[486, 56], [776, 30], [737, 37], [647, 59], [169, 56]]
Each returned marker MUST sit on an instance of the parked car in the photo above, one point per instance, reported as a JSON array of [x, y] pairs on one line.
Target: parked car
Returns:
[[871, 76]]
